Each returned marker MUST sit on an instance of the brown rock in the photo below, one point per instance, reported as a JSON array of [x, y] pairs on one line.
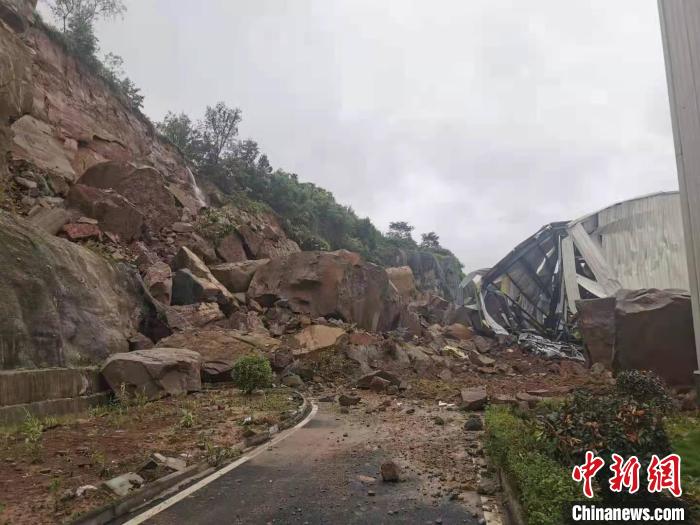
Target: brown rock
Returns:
[[231, 249], [597, 323], [527, 398], [481, 360], [459, 331], [139, 342], [183, 317], [473, 398], [346, 400], [402, 279], [143, 186], [367, 380], [154, 373], [504, 399], [654, 331], [362, 338], [236, 276], [80, 232], [50, 220], [378, 384], [390, 471], [221, 347], [159, 281], [205, 288], [335, 284], [267, 241], [114, 213], [62, 305], [315, 337]]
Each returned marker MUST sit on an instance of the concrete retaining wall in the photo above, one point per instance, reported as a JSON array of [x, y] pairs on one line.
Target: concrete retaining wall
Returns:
[[50, 391]]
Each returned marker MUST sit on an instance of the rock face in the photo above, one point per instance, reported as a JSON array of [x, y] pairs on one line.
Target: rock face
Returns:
[[654, 331], [268, 241], [60, 119], [143, 186], [113, 212], [644, 329], [236, 276], [155, 373], [402, 279], [62, 305], [433, 273], [330, 284], [597, 322]]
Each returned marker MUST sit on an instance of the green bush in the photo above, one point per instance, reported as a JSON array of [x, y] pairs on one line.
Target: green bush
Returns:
[[615, 422], [644, 387], [544, 486], [251, 372]]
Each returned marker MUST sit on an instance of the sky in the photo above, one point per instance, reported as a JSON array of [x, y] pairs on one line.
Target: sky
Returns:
[[481, 120]]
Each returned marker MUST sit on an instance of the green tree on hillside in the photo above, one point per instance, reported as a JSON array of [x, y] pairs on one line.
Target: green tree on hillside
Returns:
[[84, 11], [400, 230], [430, 240], [219, 129]]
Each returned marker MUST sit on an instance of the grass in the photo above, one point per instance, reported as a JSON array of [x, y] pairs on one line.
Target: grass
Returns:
[[543, 485], [684, 433]]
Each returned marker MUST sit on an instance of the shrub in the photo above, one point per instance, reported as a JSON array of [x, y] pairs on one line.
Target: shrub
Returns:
[[251, 372], [544, 486], [643, 386]]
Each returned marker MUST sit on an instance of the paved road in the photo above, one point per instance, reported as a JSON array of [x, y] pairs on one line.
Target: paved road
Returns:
[[317, 475]]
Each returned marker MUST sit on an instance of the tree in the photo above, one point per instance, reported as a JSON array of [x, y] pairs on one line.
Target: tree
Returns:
[[179, 130], [81, 37], [219, 129], [247, 151], [86, 10], [264, 166], [400, 230], [430, 240]]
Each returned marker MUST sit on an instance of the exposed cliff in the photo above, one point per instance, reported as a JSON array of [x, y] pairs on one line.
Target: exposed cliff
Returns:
[[433, 272], [58, 119]]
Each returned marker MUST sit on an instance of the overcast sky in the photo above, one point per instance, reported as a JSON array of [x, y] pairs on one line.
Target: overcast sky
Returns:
[[479, 119]]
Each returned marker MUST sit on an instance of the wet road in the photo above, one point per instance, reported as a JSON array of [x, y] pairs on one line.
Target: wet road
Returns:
[[321, 474]]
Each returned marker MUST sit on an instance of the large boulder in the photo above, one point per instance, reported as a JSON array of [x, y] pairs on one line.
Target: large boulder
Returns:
[[143, 186], [654, 331], [231, 248], [402, 278], [266, 241], [159, 281], [330, 284], [220, 349], [236, 276], [596, 319], [62, 305], [114, 213], [155, 372], [193, 282], [316, 337]]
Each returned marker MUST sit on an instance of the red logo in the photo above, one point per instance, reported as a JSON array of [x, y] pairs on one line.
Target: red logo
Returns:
[[587, 472], [662, 474]]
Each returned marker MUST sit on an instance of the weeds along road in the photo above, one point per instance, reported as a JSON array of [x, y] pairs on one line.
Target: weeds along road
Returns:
[[328, 472]]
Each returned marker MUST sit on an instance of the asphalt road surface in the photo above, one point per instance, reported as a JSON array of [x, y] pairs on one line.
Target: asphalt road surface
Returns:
[[322, 473]]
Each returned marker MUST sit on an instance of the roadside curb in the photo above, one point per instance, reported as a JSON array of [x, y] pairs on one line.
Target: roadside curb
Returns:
[[173, 482], [513, 509]]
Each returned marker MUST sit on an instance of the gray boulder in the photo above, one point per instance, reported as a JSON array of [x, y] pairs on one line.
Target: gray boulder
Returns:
[[155, 373], [62, 305]]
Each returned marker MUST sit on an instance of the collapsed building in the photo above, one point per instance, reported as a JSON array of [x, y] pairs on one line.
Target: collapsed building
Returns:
[[610, 277]]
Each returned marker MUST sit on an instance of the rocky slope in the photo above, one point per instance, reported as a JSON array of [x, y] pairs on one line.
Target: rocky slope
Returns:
[[80, 166]]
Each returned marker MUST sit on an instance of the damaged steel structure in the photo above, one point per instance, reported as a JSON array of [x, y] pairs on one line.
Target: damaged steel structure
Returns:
[[633, 244]]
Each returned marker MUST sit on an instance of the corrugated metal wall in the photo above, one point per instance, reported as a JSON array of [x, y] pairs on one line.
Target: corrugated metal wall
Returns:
[[642, 240]]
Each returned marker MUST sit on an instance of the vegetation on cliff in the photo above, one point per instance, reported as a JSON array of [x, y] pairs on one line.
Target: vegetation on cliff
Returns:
[[310, 214]]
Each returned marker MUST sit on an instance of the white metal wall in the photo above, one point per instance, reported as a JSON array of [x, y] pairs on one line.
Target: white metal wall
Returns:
[[642, 241]]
